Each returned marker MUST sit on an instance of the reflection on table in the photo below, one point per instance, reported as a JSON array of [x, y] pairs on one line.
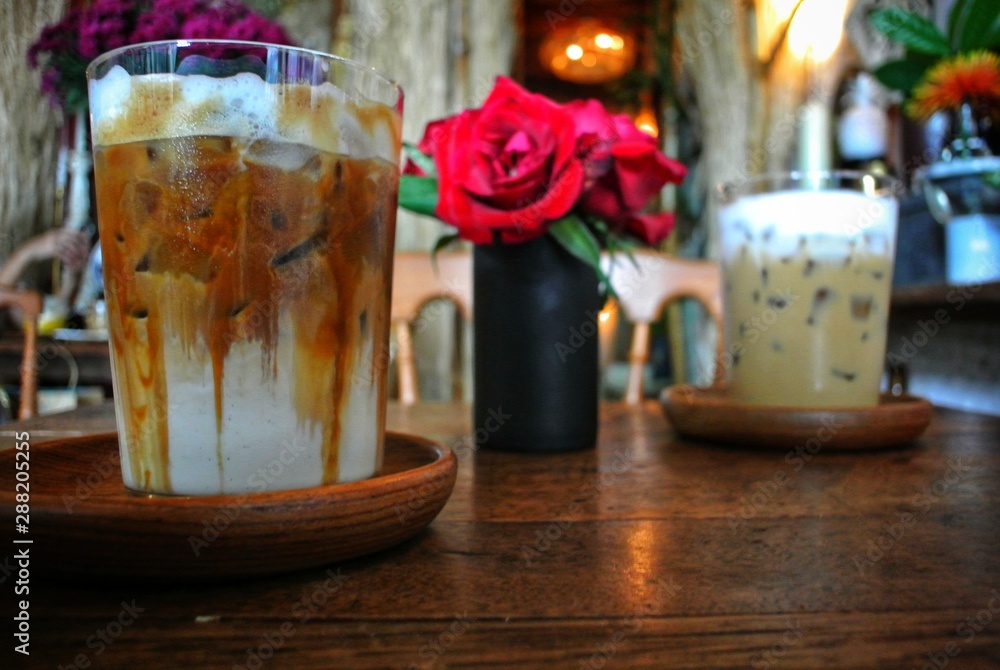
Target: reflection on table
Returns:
[[649, 551]]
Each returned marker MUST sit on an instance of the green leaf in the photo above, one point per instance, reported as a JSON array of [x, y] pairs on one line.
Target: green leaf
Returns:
[[621, 243], [974, 24], [418, 194], [422, 160], [901, 75], [442, 243], [911, 30], [576, 238]]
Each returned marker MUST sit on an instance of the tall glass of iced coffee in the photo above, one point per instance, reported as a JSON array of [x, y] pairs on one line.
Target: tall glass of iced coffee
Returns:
[[807, 267], [246, 198]]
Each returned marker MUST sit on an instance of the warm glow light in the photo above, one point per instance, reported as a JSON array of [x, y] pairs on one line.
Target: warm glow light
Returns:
[[587, 52], [817, 28], [607, 324], [645, 121]]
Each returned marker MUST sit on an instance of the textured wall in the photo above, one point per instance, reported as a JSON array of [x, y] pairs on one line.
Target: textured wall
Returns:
[[446, 55], [28, 126]]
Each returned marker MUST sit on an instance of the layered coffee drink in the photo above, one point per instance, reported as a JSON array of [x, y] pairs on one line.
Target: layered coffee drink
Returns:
[[807, 281], [247, 231]]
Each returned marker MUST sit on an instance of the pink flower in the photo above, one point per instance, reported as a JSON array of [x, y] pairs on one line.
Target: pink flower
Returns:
[[180, 8], [206, 26], [153, 26], [56, 38], [104, 26], [50, 82], [64, 49], [233, 11], [257, 29]]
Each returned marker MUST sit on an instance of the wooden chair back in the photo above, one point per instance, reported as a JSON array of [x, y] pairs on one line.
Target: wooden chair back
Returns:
[[415, 282], [30, 305], [645, 287]]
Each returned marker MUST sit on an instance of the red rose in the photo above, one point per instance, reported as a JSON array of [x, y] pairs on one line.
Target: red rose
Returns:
[[625, 170], [509, 167], [426, 145]]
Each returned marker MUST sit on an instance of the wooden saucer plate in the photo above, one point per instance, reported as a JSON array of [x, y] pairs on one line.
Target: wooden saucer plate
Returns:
[[83, 523], [709, 414]]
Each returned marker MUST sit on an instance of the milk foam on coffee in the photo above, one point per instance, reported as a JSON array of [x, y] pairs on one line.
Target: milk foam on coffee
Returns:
[[807, 284], [832, 221], [248, 360], [243, 105]]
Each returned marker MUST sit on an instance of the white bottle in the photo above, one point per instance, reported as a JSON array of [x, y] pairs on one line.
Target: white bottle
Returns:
[[863, 128]]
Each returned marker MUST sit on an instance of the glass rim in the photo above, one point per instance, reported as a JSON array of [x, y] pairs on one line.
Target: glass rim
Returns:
[[805, 180], [139, 46]]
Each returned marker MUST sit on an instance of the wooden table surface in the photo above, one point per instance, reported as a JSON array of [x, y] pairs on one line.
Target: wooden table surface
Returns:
[[649, 551]]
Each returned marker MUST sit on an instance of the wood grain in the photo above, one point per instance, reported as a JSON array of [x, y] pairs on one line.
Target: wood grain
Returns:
[[86, 525], [30, 305], [650, 551], [709, 414]]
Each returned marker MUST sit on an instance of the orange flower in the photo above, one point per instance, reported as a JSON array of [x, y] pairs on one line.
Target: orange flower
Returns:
[[973, 77]]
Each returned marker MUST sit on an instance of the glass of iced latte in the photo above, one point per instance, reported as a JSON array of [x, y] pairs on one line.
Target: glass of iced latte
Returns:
[[246, 198], [807, 268]]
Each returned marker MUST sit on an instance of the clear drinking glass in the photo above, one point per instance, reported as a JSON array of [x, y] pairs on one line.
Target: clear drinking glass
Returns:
[[807, 264], [246, 197]]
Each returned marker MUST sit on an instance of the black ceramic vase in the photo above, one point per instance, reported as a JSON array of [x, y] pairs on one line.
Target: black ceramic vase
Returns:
[[536, 348]]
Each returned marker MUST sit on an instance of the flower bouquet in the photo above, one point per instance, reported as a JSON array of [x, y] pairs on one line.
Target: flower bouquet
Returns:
[[540, 189], [64, 49], [957, 74], [522, 166]]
